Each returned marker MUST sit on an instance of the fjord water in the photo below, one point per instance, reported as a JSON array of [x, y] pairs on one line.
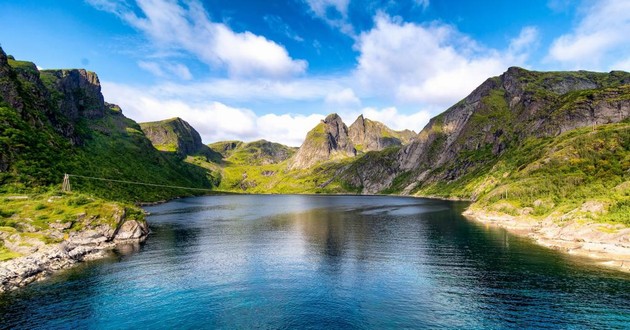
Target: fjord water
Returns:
[[324, 262]]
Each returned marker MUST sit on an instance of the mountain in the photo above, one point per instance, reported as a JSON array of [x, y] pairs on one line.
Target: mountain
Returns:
[[176, 135], [329, 140], [368, 135], [261, 152], [56, 121], [499, 115], [225, 148]]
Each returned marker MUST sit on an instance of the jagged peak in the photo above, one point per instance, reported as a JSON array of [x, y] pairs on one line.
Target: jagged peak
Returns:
[[332, 118]]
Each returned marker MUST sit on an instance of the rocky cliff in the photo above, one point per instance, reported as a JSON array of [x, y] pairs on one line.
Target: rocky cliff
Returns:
[[59, 98], [56, 121], [498, 115], [327, 141], [368, 135], [176, 135]]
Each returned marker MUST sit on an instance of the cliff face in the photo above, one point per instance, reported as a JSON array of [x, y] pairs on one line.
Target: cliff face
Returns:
[[76, 93], [176, 135], [498, 115], [59, 98], [55, 121], [368, 135], [328, 140]]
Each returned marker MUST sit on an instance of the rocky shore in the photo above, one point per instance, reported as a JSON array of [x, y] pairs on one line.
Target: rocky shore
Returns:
[[88, 244], [605, 244]]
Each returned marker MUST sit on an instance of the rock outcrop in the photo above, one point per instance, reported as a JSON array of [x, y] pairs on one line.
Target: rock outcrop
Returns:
[[499, 114], [88, 244], [176, 135], [368, 135], [327, 141], [79, 93]]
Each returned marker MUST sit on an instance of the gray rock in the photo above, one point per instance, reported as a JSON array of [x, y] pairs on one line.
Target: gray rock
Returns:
[[328, 140]]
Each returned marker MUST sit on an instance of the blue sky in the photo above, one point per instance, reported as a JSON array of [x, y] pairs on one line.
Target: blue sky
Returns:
[[272, 69]]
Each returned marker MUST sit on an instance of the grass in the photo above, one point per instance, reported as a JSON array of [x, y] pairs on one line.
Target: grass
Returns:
[[31, 218], [554, 175]]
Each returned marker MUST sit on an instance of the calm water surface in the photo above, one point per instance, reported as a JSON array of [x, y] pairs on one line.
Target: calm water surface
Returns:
[[324, 262]]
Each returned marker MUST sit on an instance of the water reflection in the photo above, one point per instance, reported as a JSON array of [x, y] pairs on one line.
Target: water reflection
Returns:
[[324, 262]]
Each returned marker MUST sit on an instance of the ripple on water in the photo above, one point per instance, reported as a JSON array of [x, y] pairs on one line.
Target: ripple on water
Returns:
[[324, 262]]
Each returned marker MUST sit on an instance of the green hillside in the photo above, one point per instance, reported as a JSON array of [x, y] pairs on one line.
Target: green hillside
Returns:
[[554, 176], [54, 122]]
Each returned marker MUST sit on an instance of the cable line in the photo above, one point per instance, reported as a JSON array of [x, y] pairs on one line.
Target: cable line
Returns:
[[137, 183]]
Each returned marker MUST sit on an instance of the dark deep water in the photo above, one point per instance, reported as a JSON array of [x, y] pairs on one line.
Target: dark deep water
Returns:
[[324, 262]]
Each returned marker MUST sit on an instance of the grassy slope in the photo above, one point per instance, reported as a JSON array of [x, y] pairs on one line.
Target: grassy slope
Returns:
[[249, 169], [38, 155], [554, 175], [118, 149], [112, 147]]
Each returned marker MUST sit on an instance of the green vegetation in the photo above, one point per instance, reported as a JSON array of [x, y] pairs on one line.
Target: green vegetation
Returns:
[[547, 176], [262, 167], [47, 217]]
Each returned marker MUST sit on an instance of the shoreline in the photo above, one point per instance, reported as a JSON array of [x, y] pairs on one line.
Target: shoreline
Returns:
[[605, 244], [86, 245], [609, 248]]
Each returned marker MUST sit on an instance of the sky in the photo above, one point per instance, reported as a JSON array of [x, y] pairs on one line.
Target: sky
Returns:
[[252, 69]]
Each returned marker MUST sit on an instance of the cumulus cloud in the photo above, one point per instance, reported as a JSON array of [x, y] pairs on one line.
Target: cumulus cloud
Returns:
[[187, 27], [254, 90], [599, 39], [430, 64], [342, 98], [215, 121]]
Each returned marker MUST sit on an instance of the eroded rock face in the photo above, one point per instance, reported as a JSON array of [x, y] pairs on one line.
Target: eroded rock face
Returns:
[[176, 135], [62, 96], [80, 92], [176, 132], [328, 140], [9, 91], [368, 135], [503, 111]]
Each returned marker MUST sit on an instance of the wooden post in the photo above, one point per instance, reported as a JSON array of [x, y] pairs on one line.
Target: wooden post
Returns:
[[66, 183]]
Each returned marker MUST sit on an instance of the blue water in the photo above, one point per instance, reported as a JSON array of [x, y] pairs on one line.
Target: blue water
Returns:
[[324, 262]]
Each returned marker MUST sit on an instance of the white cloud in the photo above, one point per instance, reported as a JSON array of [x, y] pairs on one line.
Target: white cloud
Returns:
[[215, 121], [391, 117], [342, 98], [430, 64], [165, 70], [170, 25], [334, 13], [599, 39], [254, 90]]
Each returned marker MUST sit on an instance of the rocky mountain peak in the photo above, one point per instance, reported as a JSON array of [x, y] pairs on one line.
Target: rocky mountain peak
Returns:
[[80, 90], [328, 140], [370, 135], [176, 135]]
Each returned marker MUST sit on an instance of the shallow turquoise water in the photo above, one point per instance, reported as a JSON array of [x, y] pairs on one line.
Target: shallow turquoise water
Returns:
[[324, 262]]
